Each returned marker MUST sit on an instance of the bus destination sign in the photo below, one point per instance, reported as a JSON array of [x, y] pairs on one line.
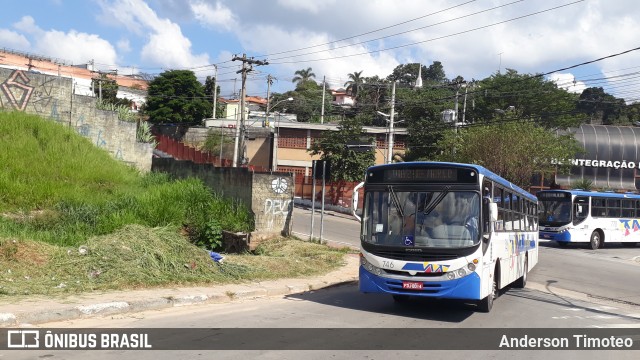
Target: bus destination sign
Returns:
[[421, 175], [553, 195]]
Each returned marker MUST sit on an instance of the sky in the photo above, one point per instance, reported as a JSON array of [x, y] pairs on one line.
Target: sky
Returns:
[[472, 39]]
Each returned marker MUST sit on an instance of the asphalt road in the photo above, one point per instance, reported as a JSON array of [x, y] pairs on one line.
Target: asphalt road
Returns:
[[609, 273], [268, 323]]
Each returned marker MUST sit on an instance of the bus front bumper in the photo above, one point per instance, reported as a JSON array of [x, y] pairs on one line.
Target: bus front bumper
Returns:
[[563, 236], [467, 287]]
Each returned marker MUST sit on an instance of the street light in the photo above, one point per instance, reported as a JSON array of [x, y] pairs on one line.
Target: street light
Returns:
[[276, 133], [276, 104]]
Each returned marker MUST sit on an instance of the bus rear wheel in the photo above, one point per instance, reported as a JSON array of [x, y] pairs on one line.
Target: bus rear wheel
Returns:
[[522, 281], [596, 240]]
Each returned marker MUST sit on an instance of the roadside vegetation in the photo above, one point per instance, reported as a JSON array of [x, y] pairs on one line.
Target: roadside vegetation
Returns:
[[74, 219]]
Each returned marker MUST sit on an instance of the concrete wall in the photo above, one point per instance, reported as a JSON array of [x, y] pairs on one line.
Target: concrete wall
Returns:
[[52, 97], [268, 195]]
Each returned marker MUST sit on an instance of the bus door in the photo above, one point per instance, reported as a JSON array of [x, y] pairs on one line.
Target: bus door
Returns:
[[580, 214]]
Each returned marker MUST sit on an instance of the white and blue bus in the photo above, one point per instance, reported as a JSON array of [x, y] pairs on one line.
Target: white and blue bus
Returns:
[[445, 230], [589, 217]]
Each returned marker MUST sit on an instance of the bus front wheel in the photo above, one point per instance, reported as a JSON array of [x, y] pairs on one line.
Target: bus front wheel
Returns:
[[486, 304], [596, 240], [400, 298]]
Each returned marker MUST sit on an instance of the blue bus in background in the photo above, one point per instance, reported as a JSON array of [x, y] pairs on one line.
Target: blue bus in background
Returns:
[[589, 217]]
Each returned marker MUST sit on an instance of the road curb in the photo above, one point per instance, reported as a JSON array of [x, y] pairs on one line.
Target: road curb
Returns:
[[29, 314]]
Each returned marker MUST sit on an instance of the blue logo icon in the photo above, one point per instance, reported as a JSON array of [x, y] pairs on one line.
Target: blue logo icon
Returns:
[[408, 240]]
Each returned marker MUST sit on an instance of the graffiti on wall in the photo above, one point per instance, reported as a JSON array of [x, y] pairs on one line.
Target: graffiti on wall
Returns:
[[12, 87], [276, 210], [19, 94]]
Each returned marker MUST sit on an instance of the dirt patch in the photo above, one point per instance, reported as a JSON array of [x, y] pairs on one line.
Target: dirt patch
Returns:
[[23, 252]]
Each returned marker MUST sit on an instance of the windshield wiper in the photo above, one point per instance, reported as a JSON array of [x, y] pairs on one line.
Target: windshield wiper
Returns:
[[436, 201], [396, 201]]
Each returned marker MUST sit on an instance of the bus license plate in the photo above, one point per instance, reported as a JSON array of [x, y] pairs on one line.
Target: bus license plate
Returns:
[[411, 285]]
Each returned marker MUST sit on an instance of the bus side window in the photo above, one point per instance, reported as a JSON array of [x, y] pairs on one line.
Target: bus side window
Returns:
[[627, 208], [498, 194], [599, 209], [613, 208]]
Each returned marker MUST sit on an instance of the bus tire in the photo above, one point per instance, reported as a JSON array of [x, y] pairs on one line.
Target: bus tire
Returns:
[[400, 298], [486, 304], [595, 241], [522, 281]]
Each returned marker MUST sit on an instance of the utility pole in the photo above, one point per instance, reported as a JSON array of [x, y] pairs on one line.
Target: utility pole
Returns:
[[246, 67], [269, 82], [324, 84], [215, 90], [464, 107], [391, 115]]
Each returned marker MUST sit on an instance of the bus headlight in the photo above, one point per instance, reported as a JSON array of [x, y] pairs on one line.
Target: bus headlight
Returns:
[[460, 273], [451, 275], [370, 267]]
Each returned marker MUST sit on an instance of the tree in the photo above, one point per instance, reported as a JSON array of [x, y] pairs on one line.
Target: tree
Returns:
[[421, 110], [355, 83], [601, 107], [105, 89], [303, 76], [513, 150], [308, 101], [349, 150], [512, 96], [176, 96], [435, 73], [407, 74]]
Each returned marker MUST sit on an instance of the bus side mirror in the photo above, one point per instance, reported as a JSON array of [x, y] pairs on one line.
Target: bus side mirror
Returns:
[[354, 199], [493, 212]]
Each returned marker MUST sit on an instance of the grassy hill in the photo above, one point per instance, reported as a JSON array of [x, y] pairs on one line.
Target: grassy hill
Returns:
[[74, 219]]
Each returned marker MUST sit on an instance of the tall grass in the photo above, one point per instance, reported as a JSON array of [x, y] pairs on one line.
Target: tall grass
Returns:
[[58, 188], [44, 163]]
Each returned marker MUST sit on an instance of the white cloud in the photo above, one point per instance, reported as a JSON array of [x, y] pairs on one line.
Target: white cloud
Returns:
[[213, 16], [124, 45], [166, 46], [568, 82], [13, 40], [27, 24], [310, 6], [78, 47], [262, 39], [74, 46]]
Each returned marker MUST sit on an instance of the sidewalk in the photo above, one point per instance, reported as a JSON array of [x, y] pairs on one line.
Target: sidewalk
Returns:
[[23, 313]]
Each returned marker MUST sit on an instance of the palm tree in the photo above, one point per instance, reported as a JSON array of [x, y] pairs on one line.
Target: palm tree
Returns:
[[355, 83], [303, 76]]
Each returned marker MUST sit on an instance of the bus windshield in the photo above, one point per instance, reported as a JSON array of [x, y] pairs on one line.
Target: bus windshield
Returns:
[[554, 212], [434, 219]]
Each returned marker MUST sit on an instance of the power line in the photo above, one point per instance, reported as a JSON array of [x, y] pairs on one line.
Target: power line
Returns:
[[369, 32], [432, 39], [400, 33]]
